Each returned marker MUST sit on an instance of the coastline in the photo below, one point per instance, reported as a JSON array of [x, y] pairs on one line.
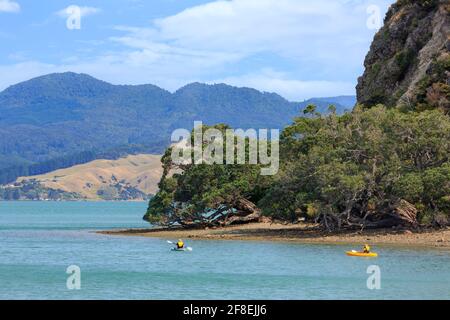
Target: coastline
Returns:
[[301, 233]]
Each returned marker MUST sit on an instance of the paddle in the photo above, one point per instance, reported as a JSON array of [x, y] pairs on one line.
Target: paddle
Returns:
[[187, 248]]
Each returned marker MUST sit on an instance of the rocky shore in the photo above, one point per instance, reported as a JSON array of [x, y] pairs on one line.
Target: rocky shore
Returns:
[[301, 233]]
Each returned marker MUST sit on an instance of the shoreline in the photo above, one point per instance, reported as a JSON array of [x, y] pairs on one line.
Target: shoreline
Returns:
[[301, 233]]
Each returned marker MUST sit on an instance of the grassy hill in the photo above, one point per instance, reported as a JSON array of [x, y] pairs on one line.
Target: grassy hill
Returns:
[[131, 178]]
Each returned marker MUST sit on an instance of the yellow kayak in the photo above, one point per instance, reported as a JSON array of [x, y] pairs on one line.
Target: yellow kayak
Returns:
[[362, 254]]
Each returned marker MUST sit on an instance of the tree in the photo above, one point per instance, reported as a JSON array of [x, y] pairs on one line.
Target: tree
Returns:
[[199, 195], [371, 168], [363, 169]]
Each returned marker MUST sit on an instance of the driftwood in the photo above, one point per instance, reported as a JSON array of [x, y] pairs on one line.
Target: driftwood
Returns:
[[244, 206], [253, 217], [398, 214], [405, 213], [243, 211], [246, 211]]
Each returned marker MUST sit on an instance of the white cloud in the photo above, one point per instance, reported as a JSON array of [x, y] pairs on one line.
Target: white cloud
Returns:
[[9, 6], [290, 28], [317, 42], [297, 48], [85, 11], [322, 37], [22, 71], [292, 89], [250, 25], [18, 56]]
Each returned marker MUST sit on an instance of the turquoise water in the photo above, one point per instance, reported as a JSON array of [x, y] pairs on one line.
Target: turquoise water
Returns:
[[39, 240]]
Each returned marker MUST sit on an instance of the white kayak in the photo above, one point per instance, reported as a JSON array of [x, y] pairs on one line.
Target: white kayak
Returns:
[[179, 249], [186, 249]]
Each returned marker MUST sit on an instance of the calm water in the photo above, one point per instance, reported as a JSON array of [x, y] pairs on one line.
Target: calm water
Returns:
[[39, 240]]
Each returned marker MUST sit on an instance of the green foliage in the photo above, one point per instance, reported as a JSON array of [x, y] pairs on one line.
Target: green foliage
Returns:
[[404, 59], [345, 169], [192, 192], [310, 109], [433, 90], [360, 162], [410, 186], [425, 4]]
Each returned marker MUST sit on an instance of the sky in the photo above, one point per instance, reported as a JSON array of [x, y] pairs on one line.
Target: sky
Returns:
[[296, 48]]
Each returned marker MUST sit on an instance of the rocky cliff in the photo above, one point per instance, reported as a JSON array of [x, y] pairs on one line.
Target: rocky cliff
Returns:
[[408, 64]]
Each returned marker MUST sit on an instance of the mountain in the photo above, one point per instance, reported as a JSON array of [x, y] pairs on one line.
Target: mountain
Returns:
[[60, 120], [408, 64]]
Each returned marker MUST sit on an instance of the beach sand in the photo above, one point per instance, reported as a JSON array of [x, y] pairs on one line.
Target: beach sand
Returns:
[[301, 233]]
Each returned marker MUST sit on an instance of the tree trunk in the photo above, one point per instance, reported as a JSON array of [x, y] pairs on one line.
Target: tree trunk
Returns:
[[400, 213], [253, 217], [246, 212]]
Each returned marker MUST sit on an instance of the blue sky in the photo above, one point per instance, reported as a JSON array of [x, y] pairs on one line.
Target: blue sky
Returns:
[[297, 48]]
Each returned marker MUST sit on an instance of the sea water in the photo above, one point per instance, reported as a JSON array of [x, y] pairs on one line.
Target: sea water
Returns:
[[40, 240]]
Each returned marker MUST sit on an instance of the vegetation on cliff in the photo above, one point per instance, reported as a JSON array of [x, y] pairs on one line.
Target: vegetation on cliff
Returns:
[[408, 64]]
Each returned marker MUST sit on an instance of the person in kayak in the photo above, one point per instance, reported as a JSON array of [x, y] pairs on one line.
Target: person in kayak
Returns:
[[366, 248], [180, 244]]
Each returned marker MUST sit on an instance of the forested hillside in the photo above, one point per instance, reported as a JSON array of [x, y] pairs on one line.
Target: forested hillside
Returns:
[[60, 120]]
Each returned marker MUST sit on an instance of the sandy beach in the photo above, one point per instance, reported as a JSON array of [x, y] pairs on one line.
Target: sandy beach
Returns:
[[301, 233]]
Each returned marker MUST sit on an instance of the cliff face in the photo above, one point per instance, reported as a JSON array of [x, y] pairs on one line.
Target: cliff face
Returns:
[[408, 64]]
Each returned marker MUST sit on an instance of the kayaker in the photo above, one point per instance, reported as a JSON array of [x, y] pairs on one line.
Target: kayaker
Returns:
[[366, 248], [180, 244]]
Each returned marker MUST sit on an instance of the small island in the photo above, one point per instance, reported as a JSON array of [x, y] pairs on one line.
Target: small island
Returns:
[[381, 171]]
